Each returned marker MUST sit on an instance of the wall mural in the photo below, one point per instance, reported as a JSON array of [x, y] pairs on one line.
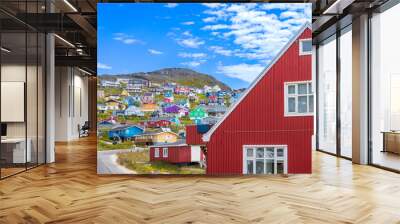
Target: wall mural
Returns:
[[169, 72]]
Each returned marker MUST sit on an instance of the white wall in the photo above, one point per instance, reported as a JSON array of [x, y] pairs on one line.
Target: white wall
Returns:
[[71, 103]]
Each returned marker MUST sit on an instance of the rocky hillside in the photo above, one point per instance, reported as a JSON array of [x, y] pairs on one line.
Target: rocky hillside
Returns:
[[181, 76]]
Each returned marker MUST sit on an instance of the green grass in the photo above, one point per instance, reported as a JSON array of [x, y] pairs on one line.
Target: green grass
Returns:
[[139, 162], [102, 145]]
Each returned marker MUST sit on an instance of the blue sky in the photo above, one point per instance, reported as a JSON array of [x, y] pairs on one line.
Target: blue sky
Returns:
[[232, 42]]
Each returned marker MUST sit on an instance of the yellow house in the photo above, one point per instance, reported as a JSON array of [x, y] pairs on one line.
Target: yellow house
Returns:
[[114, 105], [151, 107], [124, 93], [149, 138]]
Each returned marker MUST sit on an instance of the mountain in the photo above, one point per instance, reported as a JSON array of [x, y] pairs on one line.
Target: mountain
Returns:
[[181, 76]]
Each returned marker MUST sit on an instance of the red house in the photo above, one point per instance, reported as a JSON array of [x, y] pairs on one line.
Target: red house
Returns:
[[269, 129], [176, 153], [156, 124]]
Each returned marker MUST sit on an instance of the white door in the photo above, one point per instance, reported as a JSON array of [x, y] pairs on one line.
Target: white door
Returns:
[[265, 159]]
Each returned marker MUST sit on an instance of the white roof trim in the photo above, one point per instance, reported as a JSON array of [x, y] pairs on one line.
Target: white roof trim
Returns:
[[206, 137]]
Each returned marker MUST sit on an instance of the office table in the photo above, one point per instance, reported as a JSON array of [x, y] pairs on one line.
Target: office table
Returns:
[[13, 150]]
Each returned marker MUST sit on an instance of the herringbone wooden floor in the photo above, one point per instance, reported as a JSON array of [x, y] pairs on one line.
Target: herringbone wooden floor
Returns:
[[70, 191]]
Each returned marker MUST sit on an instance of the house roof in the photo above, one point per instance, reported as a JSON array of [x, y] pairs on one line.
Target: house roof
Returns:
[[157, 132], [206, 137], [180, 142], [122, 127]]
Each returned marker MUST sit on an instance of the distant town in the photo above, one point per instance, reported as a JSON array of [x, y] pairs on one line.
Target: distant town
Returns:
[[137, 114]]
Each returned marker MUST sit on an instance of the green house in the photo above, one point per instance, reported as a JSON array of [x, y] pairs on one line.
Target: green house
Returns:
[[198, 114]]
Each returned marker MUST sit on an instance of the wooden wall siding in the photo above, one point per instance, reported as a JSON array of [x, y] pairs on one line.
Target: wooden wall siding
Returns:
[[176, 154], [192, 136], [259, 119]]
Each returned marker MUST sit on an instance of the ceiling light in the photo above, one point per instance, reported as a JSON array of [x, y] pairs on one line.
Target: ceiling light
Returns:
[[70, 5], [64, 40], [5, 50]]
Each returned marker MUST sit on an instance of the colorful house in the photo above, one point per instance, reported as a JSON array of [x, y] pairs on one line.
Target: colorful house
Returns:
[[198, 114], [156, 123], [177, 153], [168, 96], [101, 108], [125, 132], [148, 98], [148, 107], [150, 138], [183, 90], [133, 111], [269, 129], [114, 105], [175, 109], [124, 93], [216, 110]]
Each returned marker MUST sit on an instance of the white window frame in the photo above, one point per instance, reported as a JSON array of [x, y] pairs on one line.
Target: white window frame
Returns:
[[276, 158], [165, 152], [296, 95], [301, 52], [156, 152]]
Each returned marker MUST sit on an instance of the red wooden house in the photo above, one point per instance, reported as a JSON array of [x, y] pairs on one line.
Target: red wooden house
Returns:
[[269, 129], [178, 152], [156, 124]]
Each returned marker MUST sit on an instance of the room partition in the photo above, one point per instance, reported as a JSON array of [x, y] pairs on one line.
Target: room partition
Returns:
[[22, 77]]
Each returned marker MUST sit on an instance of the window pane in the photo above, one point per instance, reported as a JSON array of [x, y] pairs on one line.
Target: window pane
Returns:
[[270, 166], [280, 152], [310, 90], [302, 104], [327, 97], [292, 89], [311, 103], [306, 45], [260, 153], [250, 153], [270, 153], [250, 166], [259, 166], [302, 88], [292, 104], [280, 167]]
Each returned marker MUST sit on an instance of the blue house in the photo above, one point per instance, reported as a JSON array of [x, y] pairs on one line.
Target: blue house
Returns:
[[125, 132], [131, 100], [133, 110]]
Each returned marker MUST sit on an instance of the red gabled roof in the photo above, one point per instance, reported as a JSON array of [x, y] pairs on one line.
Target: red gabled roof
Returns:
[[206, 137]]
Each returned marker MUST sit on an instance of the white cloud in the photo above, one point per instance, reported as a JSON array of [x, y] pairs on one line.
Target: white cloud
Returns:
[[103, 66], [191, 42], [221, 51], [213, 5], [210, 19], [257, 33], [126, 39], [193, 63], [245, 72], [171, 5], [129, 41], [188, 23], [216, 27], [155, 52], [192, 55], [187, 33]]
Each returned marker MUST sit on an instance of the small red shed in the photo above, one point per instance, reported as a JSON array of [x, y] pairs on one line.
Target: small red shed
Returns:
[[269, 129], [176, 153]]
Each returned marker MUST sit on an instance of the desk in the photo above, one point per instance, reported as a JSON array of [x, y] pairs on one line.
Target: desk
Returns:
[[13, 150], [391, 141]]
